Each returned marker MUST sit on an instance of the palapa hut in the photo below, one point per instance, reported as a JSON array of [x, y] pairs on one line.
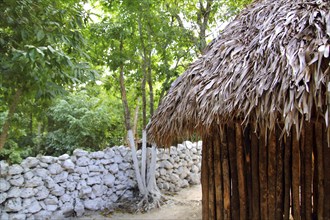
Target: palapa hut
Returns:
[[259, 97]]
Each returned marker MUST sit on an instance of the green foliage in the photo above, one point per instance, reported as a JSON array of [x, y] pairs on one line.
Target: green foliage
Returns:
[[83, 121], [12, 153]]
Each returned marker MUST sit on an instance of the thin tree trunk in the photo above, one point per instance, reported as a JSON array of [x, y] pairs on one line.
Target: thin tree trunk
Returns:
[[144, 157], [12, 108], [142, 187], [303, 175], [135, 122]]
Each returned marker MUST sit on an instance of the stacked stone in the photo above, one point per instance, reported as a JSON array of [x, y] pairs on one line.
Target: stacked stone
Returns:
[[55, 187], [49, 187], [178, 167]]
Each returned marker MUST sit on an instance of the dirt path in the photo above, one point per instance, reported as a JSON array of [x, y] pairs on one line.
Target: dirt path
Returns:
[[185, 205]]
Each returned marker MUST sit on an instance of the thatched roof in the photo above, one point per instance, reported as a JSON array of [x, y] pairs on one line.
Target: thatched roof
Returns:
[[270, 64]]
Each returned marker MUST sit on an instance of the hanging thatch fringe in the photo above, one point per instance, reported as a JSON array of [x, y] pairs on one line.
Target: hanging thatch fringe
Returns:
[[270, 64]]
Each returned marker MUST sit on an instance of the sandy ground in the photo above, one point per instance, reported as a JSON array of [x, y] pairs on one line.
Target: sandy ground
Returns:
[[186, 204]]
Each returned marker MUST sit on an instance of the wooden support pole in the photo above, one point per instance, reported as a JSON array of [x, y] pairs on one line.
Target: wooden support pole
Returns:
[[263, 175], [241, 174], [212, 208], [326, 165], [320, 170], [225, 174], [302, 176], [205, 178], [255, 176], [231, 137], [271, 174], [248, 171], [309, 137], [218, 175], [287, 176], [295, 176], [279, 206]]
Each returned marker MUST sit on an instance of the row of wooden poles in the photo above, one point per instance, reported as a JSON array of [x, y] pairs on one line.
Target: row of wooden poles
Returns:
[[263, 175]]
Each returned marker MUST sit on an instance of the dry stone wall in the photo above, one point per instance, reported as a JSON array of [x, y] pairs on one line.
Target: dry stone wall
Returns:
[[49, 187]]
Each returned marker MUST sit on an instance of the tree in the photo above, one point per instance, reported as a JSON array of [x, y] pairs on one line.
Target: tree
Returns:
[[41, 49]]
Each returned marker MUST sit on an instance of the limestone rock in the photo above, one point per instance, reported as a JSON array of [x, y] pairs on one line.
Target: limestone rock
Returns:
[[3, 168], [64, 157], [41, 172], [97, 155], [34, 182], [18, 216], [42, 193], [27, 192], [28, 175], [61, 177], [43, 214], [4, 185], [55, 168], [80, 152], [92, 204], [68, 165], [113, 168], [93, 180], [30, 162], [79, 208], [14, 204], [109, 180], [57, 191], [47, 159], [34, 207], [16, 180], [82, 170], [3, 197], [15, 169], [83, 161]]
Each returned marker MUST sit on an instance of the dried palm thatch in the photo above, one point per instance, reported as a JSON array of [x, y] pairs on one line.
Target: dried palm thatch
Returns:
[[270, 65]]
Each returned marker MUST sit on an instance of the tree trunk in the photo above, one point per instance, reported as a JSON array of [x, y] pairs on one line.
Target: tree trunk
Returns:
[[12, 108]]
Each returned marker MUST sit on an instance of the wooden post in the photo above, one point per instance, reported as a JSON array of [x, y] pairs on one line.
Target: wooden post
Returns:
[[279, 176], [240, 171], [218, 175], [248, 172], [231, 137], [287, 176], [271, 174], [263, 175], [302, 176], [295, 176], [205, 178], [309, 137], [212, 208], [225, 173], [326, 165], [255, 176], [320, 170]]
